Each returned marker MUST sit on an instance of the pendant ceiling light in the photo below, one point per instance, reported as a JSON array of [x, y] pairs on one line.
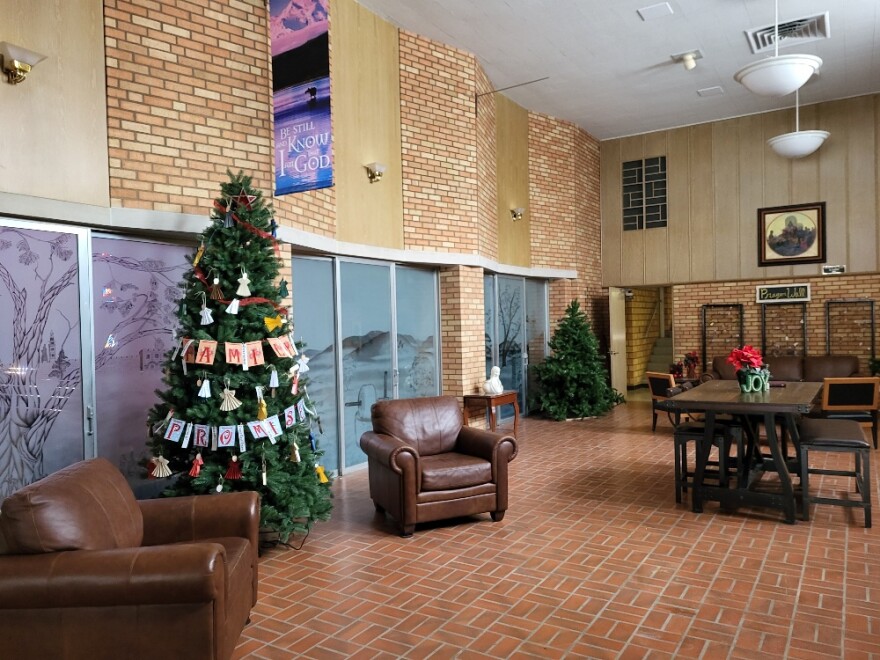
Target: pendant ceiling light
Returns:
[[800, 143], [778, 75]]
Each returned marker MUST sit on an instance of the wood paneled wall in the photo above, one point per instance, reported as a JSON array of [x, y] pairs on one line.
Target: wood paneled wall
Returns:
[[512, 171], [54, 137], [721, 173], [366, 126]]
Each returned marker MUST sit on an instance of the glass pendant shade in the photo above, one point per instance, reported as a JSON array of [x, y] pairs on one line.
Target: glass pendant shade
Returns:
[[779, 75], [797, 144]]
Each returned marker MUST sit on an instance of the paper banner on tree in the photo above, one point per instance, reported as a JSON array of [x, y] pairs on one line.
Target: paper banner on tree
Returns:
[[186, 435], [301, 409], [242, 445], [206, 352], [273, 427], [290, 416], [202, 434], [257, 430], [233, 353], [226, 436], [254, 350], [189, 354], [281, 346], [175, 430]]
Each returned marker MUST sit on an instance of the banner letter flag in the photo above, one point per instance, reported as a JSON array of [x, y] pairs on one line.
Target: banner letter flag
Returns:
[[257, 430], [201, 431], [233, 353], [226, 436], [279, 346], [245, 360], [175, 429], [186, 434], [207, 351], [214, 438], [242, 445], [273, 427], [255, 353], [301, 410], [290, 416], [289, 346], [189, 351]]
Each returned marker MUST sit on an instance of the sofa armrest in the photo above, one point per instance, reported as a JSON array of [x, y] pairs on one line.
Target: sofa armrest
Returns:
[[487, 445], [183, 573], [195, 517], [706, 376], [388, 451]]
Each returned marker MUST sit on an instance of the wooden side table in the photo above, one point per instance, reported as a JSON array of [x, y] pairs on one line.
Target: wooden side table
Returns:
[[491, 401]]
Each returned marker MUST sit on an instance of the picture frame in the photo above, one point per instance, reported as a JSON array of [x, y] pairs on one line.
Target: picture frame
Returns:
[[789, 235]]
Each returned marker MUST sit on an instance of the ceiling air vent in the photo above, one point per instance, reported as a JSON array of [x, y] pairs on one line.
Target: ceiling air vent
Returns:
[[791, 33]]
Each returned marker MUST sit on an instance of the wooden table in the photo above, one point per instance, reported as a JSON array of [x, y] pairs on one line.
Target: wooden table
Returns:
[[724, 397], [491, 401]]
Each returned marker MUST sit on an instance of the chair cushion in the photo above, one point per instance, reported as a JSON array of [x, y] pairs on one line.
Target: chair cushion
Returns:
[[831, 433], [453, 470], [819, 367], [786, 368], [85, 506]]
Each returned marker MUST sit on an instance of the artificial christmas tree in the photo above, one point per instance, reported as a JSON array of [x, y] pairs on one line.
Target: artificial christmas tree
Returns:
[[235, 415], [573, 381]]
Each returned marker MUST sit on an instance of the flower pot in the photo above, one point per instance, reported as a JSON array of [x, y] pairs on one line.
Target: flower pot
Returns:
[[753, 380]]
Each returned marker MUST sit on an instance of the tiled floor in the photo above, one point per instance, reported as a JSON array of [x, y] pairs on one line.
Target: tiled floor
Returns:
[[593, 560]]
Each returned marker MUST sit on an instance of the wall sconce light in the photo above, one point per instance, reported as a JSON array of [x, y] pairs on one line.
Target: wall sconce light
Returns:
[[517, 213], [375, 171], [18, 61]]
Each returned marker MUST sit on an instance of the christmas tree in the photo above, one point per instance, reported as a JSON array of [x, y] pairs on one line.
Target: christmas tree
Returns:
[[235, 414], [573, 381]]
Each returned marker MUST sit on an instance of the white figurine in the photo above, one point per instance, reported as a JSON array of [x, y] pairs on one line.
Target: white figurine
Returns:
[[493, 385]]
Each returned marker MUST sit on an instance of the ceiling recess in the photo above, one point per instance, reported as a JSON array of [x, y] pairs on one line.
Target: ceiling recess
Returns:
[[791, 33]]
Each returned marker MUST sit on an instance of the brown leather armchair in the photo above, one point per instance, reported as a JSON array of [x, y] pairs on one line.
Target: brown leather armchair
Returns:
[[425, 465], [86, 571]]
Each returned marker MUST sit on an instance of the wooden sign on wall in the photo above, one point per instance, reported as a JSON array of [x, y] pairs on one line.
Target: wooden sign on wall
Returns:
[[783, 293]]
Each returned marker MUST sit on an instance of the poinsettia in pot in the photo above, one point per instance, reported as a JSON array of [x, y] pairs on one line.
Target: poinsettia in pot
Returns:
[[752, 373], [691, 362]]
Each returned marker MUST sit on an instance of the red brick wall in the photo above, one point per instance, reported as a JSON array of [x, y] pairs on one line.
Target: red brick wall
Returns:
[[188, 96], [688, 301], [487, 181], [438, 150], [462, 330]]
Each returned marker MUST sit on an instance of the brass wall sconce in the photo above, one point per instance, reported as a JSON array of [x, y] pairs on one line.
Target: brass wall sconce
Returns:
[[18, 61], [517, 213], [375, 171]]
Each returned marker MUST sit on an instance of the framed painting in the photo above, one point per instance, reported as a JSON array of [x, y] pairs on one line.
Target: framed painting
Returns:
[[790, 235]]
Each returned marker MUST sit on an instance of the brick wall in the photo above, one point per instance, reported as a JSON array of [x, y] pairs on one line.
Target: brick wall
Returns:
[[462, 332], [188, 96], [642, 330], [689, 299], [487, 181], [438, 146]]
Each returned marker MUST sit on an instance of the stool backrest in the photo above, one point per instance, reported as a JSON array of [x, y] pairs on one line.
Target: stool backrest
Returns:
[[658, 383]]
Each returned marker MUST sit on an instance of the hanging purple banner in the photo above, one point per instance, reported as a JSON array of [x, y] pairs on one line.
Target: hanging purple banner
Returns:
[[301, 84]]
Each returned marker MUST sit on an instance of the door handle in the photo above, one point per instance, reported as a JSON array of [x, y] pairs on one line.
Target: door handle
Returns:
[[90, 416]]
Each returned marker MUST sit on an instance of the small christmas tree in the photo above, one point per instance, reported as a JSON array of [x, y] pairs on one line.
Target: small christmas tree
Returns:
[[573, 381], [235, 415]]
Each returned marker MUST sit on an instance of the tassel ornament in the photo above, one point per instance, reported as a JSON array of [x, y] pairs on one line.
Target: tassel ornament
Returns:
[[229, 401], [227, 220], [233, 307], [294, 452], [234, 469], [215, 290], [243, 282], [322, 476], [273, 380], [161, 470], [262, 411], [196, 466], [205, 389], [207, 316]]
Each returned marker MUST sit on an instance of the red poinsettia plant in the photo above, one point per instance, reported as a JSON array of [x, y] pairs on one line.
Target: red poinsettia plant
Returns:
[[691, 359], [746, 357]]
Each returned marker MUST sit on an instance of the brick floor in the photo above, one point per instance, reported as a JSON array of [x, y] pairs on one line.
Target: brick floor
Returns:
[[593, 560]]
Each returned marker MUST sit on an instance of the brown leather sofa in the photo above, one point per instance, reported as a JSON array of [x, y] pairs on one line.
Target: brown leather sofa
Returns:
[[811, 368], [425, 465], [87, 571]]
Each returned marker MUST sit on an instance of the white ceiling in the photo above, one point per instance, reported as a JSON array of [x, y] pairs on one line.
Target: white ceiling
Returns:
[[611, 73]]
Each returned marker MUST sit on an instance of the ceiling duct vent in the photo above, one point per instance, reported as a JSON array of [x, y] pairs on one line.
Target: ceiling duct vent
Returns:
[[791, 33]]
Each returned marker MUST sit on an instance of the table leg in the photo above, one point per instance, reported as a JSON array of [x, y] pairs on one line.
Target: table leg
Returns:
[[780, 465], [516, 417], [491, 417], [703, 450]]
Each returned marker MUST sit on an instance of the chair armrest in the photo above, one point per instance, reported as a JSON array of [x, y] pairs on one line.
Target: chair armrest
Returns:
[[195, 517], [391, 452], [706, 376], [183, 573], [487, 445]]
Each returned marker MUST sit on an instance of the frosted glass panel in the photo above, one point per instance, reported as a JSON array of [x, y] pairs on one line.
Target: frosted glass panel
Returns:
[[135, 296], [313, 317], [366, 348], [416, 332], [41, 404]]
